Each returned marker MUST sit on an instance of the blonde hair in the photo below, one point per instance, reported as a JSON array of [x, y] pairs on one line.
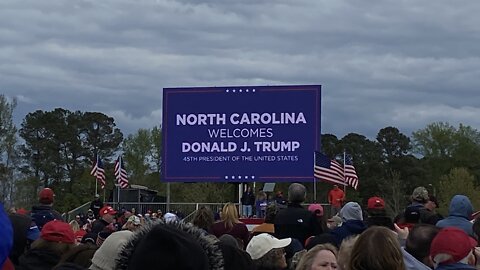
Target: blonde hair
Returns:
[[345, 251], [307, 259], [74, 225], [230, 215], [383, 240]]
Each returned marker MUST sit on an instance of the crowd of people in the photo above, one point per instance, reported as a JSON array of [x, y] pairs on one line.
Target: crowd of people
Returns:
[[292, 236]]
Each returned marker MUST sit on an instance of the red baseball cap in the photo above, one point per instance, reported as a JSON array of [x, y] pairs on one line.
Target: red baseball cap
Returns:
[[317, 209], [107, 210], [376, 203], [452, 241], [46, 196], [58, 231]]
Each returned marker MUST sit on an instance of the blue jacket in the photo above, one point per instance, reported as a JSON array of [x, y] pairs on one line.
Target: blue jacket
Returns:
[[6, 235], [455, 266], [459, 215], [348, 228], [411, 263]]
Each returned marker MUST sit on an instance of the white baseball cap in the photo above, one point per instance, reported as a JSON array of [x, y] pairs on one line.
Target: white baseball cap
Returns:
[[261, 244]]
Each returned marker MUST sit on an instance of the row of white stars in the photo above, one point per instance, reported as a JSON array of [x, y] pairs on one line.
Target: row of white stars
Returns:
[[239, 177], [240, 90]]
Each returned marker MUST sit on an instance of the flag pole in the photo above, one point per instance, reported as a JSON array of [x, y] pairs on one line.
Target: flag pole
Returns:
[[118, 184], [344, 186], [96, 180], [314, 182]]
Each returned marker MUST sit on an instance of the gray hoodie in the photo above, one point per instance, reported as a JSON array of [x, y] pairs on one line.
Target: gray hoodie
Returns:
[[411, 263]]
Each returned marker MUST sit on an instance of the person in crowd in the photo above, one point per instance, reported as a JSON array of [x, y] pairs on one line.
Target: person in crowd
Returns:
[[133, 223], [77, 230], [203, 218], [352, 222], [296, 221], [6, 236], [174, 245], [267, 226], [233, 256], [25, 231], [317, 210], [280, 199], [56, 238], [267, 252], [170, 217], [248, 200], [324, 238], [459, 214], [106, 255], [90, 216], [81, 256], [411, 216], [96, 205], [230, 224], [452, 248], [107, 216], [419, 199], [320, 257], [336, 197], [383, 240], [430, 206], [376, 213], [44, 212], [261, 204], [334, 222], [343, 258], [416, 253]]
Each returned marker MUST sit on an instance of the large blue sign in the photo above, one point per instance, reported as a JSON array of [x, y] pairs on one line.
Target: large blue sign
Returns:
[[240, 134]]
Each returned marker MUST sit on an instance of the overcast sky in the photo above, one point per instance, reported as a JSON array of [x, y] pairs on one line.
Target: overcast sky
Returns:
[[380, 63]]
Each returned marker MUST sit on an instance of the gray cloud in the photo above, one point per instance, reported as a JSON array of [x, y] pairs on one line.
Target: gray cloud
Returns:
[[400, 63]]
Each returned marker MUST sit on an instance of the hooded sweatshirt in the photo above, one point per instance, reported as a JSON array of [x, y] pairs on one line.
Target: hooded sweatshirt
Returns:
[[353, 224], [459, 214]]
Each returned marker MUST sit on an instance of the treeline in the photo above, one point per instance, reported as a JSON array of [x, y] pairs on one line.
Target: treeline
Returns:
[[57, 149]]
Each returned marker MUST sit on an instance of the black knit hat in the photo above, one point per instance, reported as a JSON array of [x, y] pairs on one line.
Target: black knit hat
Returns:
[[171, 246]]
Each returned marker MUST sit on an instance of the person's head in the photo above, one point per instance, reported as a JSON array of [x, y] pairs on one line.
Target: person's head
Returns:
[[229, 214], [97, 197], [267, 252], [46, 196], [297, 193], [377, 239], [432, 203], [345, 251], [412, 215], [351, 211], [320, 257], [107, 213], [452, 245], [90, 214], [75, 226], [316, 209], [133, 223], [104, 258], [271, 213], [419, 240], [261, 195], [420, 195], [203, 218], [375, 203], [56, 236]]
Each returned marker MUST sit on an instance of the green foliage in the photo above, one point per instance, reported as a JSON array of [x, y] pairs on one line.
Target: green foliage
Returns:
[[8, 155], [458, 181]]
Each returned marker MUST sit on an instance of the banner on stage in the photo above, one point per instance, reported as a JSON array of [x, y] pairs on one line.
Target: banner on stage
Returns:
[[240, 134]]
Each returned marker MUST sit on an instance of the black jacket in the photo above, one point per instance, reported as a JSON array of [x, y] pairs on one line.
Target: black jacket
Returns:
[[296, 222], [38, 259], [41, 214]]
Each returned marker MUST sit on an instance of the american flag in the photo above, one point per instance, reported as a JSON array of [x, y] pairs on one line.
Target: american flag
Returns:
[[121, 173], [350, 174], [328, 170], [99, 172]]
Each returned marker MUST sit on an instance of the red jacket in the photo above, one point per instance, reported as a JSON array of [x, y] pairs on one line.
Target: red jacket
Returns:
[[336, 197]]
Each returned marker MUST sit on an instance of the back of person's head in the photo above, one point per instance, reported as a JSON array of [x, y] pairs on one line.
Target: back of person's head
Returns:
[[105, 256], [271, 213], [56, 236], [420, 195], [230, 214], [344, 252], [203, 218], [351, 211], [419, 240], [175, 245], [267, 252], [383, 240], [412, 215], [46, 196], [297, 193], [328, 256], [452, 245]]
